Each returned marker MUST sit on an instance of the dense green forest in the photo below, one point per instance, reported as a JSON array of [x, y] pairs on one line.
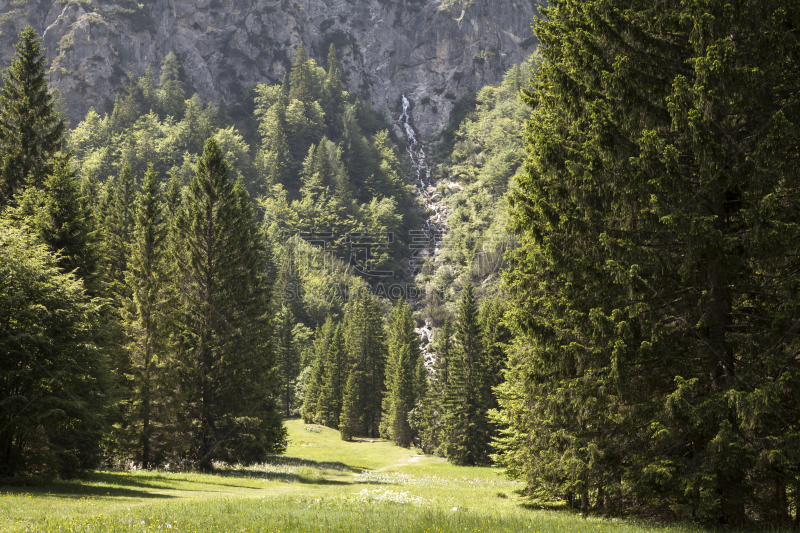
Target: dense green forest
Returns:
[[611, 317], [210, 283]]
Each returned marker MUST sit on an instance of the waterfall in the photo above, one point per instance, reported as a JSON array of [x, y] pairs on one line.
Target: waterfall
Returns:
[[433, 209]]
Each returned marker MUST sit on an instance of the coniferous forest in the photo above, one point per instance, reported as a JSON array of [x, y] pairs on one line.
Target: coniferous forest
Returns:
[[605, 309]]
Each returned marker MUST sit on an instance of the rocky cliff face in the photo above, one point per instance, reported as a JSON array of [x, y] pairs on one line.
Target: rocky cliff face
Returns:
[[429, 50]]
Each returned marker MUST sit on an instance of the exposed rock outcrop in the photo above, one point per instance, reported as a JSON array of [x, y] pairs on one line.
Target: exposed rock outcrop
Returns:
[[429, 50]]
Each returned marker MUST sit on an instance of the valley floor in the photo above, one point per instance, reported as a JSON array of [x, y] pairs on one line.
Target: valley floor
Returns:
[[321, 484]]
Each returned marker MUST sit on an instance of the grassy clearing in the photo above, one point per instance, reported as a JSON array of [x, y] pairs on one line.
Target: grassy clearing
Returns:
[[322, 484]]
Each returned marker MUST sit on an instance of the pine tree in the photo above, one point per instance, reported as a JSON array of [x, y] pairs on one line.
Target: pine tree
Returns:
[[147, 87], [331, 397], [366, 350], [56, 387], [402, 376], [145, 319], [275, 150], [288, 359], [58, 215], [30, 130], [334, 100], [653, 285], [496, 339], [352, 419], [118, 229], [322, 341], [170, 89], [466, 432], [228, 382], [301, 78]]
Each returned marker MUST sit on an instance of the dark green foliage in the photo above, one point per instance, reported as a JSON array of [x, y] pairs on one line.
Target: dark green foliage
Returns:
[[656, 277], [335, 166], [145, 316], [317, 381], [288, 359], [31, 131], [366, 349], [55, 384], [466, 431], [352, 419], [228, 382], [329, 407], [497, 337], [118, 228], [57, 214], [402, 376]]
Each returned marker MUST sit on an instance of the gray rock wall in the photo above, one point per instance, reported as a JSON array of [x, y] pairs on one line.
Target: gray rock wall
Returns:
[[430, 50]]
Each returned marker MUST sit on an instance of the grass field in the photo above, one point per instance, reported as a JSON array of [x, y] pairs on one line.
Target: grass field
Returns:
[[321, 484]]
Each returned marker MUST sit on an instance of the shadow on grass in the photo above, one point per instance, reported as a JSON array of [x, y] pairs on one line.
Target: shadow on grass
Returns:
[[287, 478], [295, 461], [74, 489]]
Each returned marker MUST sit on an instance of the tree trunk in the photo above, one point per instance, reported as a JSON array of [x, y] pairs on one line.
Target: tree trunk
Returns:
[[585, 502], [601, 498], [781, 502]]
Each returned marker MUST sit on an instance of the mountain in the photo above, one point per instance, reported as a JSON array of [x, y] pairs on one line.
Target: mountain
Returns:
[[430, 50]]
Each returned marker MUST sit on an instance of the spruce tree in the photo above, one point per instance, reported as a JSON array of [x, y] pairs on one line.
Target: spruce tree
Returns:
[[322, 340], [352, 418], [496, 339], [31, 131], [288, 359], [329, 406], [302, 79], [58, 215], [229, 385], [118, 229], [466, 429], [275, 151], [654, 281], [366, 351], [402, 376], [170, 89], [333, 103], [56, 386], [146, 318]]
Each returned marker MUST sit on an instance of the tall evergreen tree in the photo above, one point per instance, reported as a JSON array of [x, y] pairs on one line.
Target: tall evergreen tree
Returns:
[[170, 89], [31, 131], [275, 151], [366, 350], [58, 215], [145, 319], [496, 339], [55, 385], [288, 359], [331, 397], [322, 341], [333, 102], [466, 432], [228, 382], [402, 374], [302, 80], [656, 277], [118, 229], [353, 417]]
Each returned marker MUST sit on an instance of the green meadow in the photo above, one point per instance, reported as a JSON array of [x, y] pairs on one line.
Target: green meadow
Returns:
[[321, 484]]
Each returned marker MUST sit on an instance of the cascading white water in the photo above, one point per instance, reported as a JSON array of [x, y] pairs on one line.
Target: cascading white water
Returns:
[[433, 210]]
